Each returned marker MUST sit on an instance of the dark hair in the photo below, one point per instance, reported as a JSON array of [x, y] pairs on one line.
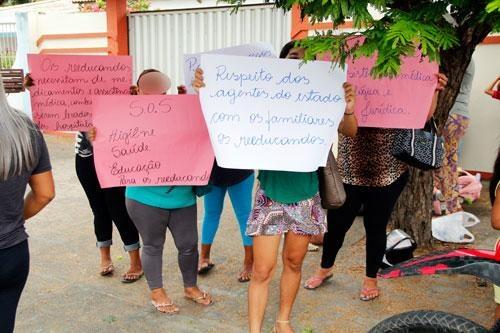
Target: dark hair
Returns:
[[146, 71], [287, 48], [134, 90], [496, 178]]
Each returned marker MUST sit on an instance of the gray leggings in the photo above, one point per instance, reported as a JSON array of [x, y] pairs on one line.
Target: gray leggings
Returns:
[[152, 224]]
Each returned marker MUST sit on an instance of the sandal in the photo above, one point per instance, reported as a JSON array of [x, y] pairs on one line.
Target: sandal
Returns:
[[205, 268], [316, 282], [244, 276], [168, 308], [198, 300], [275, 328], [369, 294], [108, 270], [131, 277]]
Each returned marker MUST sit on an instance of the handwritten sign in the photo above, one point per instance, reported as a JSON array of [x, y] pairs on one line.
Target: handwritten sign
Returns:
[[401, 102], [151, 140], [192, 61], [271, 114], [61, 99]]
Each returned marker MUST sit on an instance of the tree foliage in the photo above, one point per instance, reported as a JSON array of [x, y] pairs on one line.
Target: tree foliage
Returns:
[[431, 26]]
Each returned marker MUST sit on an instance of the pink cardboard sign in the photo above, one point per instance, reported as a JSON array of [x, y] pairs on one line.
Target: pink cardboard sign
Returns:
[[401, 102], [151, 141], [61, 99]]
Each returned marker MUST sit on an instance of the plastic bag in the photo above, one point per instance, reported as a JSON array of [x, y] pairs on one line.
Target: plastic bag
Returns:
[[452, 228]]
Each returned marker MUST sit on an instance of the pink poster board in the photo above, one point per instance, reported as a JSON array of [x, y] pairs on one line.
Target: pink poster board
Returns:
[[61, 99], [400, 102], [151, 140]]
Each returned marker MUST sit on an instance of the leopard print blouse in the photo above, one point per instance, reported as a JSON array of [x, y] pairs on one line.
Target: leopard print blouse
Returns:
[[366, 159]]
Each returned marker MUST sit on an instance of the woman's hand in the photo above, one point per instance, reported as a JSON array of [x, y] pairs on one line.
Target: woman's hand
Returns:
[[28, 81], [198, 81], [442, 82], [181, 90], [91, 134], [350, 97]]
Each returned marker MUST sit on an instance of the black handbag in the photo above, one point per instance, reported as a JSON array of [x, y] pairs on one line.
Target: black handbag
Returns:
[[420, 148]]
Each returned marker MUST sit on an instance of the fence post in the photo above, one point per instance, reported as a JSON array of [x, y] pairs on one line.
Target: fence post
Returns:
[[116, 16]]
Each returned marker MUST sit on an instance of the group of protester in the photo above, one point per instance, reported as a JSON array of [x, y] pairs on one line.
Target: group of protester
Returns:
[[286, 205]]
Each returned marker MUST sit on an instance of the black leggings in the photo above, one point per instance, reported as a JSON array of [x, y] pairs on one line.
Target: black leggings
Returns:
[[108, 206], [14, 269], [378, 205]]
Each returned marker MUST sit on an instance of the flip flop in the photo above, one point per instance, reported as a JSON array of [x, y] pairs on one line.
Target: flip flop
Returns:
[[316, 282], [365, 297], [108, 270], [131, 277], [173, 309], [198, 300], [242, 278], [205, 268]]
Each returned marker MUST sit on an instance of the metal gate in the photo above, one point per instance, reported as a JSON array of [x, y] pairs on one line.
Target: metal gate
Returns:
[[8, 45], [160, 39]]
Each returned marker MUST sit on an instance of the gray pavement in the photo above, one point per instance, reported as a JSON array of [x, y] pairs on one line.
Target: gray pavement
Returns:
[[65, 294]]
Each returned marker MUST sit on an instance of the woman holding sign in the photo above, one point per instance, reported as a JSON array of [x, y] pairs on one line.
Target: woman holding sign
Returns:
[[108, 206], [287, 203], [24, 160], [239, 185], [154, 209], [374, 179]]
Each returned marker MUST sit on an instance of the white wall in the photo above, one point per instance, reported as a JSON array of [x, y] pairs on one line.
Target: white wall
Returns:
[[482, 139], [68, 23]]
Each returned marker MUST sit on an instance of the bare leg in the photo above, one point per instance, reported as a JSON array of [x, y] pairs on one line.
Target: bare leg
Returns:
[[135, 262], [106, 261], [246, 272], [265, 253], [294, 252]]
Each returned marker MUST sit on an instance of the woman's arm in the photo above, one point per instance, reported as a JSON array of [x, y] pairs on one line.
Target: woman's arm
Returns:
[[442, 83], [42, 192], [349, 124], [489, 90]]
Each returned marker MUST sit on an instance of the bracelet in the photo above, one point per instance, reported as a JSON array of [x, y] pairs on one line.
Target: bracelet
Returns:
[[348, 114]]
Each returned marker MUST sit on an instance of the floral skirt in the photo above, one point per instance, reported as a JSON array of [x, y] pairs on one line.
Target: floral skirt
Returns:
[[271, 218]]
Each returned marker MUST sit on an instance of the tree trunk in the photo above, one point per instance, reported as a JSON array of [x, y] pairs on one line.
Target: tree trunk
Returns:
[[413, 211]]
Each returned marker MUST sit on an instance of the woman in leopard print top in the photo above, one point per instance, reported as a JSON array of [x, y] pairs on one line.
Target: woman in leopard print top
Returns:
[[374, 179]]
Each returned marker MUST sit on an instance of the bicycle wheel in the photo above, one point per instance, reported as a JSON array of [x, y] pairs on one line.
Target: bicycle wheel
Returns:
[[427, 322]]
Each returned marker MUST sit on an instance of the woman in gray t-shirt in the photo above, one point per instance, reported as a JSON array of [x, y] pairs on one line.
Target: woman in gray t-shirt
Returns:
[[24, 160]]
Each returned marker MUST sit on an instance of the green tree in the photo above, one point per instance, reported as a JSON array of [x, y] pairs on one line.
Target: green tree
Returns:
[[446, 31]]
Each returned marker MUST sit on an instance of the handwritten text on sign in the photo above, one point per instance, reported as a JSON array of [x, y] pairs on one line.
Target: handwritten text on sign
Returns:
[[61, 99], [271, 114], [151, 140], [192, 61], [401, 102]]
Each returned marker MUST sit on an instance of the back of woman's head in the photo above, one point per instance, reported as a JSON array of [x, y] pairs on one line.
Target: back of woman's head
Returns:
[[287, 48], [17, 133], [496, 177]]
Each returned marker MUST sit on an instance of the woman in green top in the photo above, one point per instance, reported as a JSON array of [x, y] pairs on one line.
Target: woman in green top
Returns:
[[287, 203], [154, 209]]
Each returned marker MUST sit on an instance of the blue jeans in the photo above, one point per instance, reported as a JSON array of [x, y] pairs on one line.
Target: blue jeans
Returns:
[[241, 198]]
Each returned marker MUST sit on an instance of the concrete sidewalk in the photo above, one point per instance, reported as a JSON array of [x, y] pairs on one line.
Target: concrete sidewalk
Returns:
[[64, 293]]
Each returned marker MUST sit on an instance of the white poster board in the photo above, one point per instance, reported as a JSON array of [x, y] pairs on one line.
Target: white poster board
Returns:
[[271, 114], [256, 50]]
